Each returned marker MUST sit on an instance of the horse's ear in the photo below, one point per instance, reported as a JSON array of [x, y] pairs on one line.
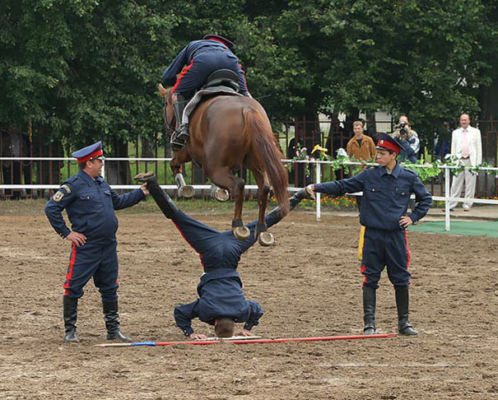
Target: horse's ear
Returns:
[[162, 90]]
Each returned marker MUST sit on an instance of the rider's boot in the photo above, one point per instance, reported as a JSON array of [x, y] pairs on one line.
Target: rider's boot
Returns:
[[181, 134]]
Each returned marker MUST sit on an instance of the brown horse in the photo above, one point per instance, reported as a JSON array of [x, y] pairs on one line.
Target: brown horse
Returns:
[[227, 132]]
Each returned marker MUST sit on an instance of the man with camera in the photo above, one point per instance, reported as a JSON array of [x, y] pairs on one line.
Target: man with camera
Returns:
[[409, 138]]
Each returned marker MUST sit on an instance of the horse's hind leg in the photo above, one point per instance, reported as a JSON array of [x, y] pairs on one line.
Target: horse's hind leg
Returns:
[[265, 238], [225, 179]]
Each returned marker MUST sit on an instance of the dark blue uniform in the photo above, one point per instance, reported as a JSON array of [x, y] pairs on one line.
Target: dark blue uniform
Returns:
[[220, 289], [385, 201], [90, 206], [196, 62]]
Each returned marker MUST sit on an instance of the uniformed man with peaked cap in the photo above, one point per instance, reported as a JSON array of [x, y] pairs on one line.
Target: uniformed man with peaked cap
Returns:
[[386, 191], [90, 203]]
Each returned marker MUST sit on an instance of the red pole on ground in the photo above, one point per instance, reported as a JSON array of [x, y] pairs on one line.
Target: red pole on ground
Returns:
[[283, 340]]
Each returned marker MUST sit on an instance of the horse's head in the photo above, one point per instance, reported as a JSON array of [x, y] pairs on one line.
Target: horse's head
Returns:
[[169, 115]]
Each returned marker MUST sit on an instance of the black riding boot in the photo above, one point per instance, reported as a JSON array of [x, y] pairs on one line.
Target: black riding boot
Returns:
[[369, 301], [181, 134], [167, 206], [111, 318], [402, 302], [70, 316]]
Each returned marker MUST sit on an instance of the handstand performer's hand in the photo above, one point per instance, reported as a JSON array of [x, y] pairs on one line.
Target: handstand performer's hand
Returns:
[[196, 336]]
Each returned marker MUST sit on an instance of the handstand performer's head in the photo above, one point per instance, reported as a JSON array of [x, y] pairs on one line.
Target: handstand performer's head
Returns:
[[224, 327]]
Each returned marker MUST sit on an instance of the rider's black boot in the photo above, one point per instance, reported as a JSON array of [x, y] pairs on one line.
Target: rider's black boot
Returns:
[[181, 134]]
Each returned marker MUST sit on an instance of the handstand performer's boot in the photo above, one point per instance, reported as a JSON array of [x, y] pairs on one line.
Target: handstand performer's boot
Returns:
[[70, 316], [181, 134], [369, 300], [402, 302], [167, 206], [275, 215], [301, 194], [111, 318]]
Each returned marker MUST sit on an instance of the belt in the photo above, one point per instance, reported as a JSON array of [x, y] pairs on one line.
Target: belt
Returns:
[[465, 158]]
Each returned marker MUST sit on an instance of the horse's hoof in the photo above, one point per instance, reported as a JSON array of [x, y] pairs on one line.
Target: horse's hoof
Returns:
[[266, 239], [241, 232], [186, 191], [221, 194]]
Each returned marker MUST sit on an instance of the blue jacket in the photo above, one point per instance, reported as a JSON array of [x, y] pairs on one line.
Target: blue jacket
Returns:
[[385, 196], [220, 289], [90, 206], [220, 295], [196, 49]]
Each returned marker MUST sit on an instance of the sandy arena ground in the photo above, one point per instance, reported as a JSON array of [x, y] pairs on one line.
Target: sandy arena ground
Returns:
[[308, 284]]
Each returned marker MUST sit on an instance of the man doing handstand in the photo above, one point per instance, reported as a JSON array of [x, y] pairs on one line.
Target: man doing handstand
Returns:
[[221, 300]]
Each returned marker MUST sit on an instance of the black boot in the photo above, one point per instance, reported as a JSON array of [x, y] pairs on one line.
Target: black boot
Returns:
[[297, 197], [111, 318], [369, 301], [275, 215], [70, 316], [181, 134], [167, 206], [402, 303]]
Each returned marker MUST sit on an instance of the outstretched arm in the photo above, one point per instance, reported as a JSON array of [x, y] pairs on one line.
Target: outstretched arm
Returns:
[[255, 314], [184, 315]]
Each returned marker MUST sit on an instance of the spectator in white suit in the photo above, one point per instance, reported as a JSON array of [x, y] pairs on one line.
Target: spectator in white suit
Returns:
[[466, 144]]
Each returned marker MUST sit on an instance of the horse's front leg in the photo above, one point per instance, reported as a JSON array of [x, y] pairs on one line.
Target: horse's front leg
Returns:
[[240, 231], [180, 158], [225, 179]]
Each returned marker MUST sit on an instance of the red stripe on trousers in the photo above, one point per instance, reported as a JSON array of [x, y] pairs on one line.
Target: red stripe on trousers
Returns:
[[69, 274], [244, 76], [182, 74], [407, 250], [362, 270], [181, 233], [363, 266]]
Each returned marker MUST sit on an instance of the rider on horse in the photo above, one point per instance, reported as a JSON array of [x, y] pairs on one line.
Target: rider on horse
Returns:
[[196, 62]]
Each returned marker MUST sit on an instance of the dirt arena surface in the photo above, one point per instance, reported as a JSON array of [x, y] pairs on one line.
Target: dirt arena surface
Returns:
[[308, 284]]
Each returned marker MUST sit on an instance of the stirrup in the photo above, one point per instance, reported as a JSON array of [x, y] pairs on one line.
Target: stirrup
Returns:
[[180, 137]]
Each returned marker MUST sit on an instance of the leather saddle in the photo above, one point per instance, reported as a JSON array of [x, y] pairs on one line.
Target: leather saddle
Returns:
[[223, 78]]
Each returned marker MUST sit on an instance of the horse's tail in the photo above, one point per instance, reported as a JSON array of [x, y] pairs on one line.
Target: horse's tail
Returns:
[[268, 154]]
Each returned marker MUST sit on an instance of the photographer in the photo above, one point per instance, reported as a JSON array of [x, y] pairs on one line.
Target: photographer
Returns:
[[409, 138]]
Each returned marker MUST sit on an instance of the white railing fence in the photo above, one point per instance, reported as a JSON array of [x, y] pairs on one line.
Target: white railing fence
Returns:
[[318, 178]]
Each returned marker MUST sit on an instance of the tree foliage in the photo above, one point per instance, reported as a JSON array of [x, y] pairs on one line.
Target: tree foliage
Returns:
[[88, 69]]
